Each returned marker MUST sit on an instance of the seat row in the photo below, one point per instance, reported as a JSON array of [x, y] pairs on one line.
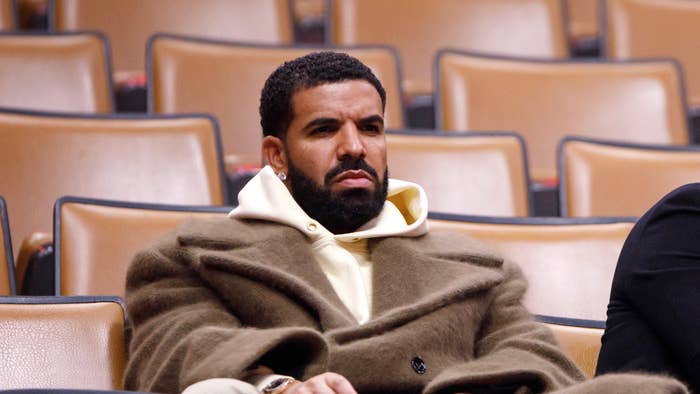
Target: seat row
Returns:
[[527, 28], [631, 28], [637, 102], [530, 28]]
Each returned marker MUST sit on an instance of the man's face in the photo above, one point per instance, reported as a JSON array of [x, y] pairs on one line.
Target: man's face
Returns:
[[336, 154]]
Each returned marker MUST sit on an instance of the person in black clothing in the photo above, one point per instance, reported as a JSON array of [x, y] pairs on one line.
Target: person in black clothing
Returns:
[[654, 312]]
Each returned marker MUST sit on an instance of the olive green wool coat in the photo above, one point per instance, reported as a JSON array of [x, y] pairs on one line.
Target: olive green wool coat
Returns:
[[218, 297]]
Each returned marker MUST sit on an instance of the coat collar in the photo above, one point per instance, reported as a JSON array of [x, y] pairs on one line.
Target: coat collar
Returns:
[[411, 276]]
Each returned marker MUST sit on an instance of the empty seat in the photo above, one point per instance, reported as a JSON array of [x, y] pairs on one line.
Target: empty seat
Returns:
[[8, 17], [464, 173], [165, 159], [418, 28], [129, 23], [225, 78], [600, 178], [544, 101], [96, 239], [580, 339], [654, 29], [55, 72], [62, 342], [569, 263], [7, 262]]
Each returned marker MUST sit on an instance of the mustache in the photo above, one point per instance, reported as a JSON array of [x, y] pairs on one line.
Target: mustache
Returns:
[[346, 165]]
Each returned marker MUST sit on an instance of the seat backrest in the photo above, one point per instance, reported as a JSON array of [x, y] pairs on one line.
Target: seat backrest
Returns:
[[654, 29], [164, 159], [129, 23], [95, 240], [8, 17], [55, 72], [225, 78], [569, 263], [544, 101], [603, 178], [418, 28], [62, 342], [490, 169], [583, 18], [7, 262], [580, 339]]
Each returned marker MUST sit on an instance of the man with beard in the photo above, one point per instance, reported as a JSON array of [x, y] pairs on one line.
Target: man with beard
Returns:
[[325, 279]]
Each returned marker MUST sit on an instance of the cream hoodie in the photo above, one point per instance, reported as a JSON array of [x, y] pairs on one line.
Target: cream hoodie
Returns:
[[343, 257]]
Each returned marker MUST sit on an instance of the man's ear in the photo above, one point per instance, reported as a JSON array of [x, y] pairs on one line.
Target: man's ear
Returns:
[[274, 153]]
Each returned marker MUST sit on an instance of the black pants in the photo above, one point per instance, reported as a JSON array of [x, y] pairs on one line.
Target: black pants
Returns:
[[654, 312]]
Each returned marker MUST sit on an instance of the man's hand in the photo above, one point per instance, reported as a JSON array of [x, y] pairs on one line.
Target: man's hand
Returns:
[[325, 383]]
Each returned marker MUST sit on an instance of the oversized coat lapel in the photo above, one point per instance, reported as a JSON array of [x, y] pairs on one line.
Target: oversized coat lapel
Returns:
[[435, 268], [276, 255], [413, 276]]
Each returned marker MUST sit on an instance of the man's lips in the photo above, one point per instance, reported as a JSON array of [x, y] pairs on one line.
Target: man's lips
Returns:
[[354, 178]]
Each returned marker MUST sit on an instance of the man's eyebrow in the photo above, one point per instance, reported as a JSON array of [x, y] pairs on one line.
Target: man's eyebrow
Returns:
[[320, 122], [372, 119]]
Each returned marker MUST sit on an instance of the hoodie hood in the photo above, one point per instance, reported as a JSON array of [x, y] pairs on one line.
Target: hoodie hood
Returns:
[[265, 197]]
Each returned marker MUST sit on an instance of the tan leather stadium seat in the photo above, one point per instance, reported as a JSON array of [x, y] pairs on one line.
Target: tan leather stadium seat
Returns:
[[545, 101], [7, 262], [464, 173], [583, 19], [580, 339], [8, 18], [55, 72], [62, 342], [164, 159], [600, 178], [569, 263], [655, 29], [85, 229], [418, 28], [225, 78], [129, 23]]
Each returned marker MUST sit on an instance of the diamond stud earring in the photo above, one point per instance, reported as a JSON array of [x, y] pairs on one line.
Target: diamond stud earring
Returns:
[[282, 176]]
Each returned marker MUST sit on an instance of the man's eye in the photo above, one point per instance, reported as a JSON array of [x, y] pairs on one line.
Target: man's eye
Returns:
[[321, 130], [371, 127]]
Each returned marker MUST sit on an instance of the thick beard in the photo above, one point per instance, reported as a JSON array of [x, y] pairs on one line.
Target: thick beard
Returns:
[[340, 212]]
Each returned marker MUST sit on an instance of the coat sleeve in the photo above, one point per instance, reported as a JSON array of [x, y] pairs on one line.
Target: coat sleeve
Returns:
[[183, 333], [513, 352]]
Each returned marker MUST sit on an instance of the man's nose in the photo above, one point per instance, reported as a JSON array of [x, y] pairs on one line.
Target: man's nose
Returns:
[[350, 142]]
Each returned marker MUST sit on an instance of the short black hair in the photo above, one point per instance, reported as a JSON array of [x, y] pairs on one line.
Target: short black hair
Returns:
[[306, 72]]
